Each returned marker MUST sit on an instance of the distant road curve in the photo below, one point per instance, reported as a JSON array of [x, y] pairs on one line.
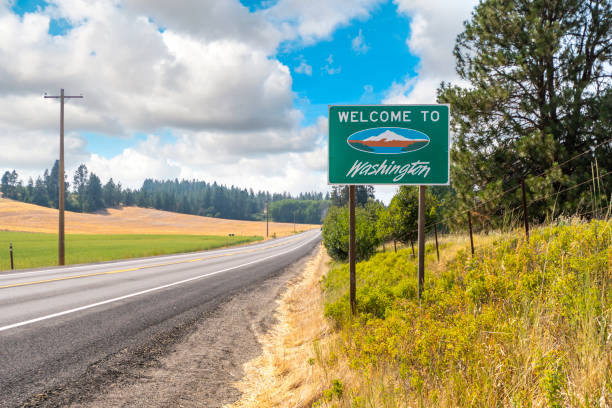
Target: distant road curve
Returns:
[[56, 323]]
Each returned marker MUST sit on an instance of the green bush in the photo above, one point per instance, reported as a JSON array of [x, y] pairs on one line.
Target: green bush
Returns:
[[520, 323], [336, 233]]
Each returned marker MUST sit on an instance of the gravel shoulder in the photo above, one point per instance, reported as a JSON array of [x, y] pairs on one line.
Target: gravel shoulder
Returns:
[[198, 366]]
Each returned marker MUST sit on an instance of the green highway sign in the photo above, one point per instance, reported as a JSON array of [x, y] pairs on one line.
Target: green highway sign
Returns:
[[389, 144]]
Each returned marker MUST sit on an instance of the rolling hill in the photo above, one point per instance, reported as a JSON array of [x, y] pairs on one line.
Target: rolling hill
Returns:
[[18, 216]]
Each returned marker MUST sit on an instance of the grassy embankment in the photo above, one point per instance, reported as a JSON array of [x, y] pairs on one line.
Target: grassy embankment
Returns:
[[37, 249], [519, 324]]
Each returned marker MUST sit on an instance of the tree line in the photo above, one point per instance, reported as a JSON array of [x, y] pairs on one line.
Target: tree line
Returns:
[[86, 193], [375, 223]]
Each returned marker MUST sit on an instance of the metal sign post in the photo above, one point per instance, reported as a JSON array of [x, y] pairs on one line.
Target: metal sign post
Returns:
[[388, 144], [61, 181]]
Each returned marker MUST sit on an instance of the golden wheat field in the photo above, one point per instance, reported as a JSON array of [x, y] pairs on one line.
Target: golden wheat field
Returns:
[[18, 216]]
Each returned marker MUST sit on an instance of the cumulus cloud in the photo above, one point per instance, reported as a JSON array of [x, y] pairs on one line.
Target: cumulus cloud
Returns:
[[310, 21], [216, 81], [204, 71], [199, 156], [210, 21], [434, 27]]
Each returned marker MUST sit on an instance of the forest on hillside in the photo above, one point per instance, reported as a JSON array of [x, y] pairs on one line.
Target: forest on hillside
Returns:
[[86, 193]]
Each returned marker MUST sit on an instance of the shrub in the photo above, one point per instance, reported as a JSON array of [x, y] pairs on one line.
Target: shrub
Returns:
[[336, 234]]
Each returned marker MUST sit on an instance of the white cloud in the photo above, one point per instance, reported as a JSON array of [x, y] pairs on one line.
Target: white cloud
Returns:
[[358, 44], [329, 68], [210, 158], [303, 68], [310, 21], [434, 27], [210, 21], [204, 71]]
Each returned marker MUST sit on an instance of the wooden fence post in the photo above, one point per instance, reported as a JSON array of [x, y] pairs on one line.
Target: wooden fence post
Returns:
[[470, 225], [436, 235], [525, 210]]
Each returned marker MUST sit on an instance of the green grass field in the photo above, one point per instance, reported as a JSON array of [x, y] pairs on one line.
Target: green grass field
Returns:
[[32, 250]]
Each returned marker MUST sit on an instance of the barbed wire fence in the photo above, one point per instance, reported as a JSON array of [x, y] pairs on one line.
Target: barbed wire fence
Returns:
[[597, 190]]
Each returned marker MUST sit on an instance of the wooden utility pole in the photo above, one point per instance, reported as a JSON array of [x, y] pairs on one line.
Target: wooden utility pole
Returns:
[[352, 278], [525, 210], [61, 181], [422, 190]]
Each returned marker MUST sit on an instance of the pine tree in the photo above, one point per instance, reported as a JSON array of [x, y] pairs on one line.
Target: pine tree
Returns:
[[79, 184], [94, 197], [539, 93]]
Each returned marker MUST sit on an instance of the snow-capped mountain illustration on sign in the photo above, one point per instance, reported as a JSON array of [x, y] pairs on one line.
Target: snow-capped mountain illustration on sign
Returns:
[[388, 140]]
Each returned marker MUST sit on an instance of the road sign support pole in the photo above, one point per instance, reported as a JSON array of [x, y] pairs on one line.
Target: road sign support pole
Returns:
[[352, 278], [436, 235], [60, 178], [422, 190], [525, 210], [470, 225]]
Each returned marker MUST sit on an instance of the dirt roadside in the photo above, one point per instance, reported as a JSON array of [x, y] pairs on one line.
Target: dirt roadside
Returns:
[[202, 368], [287, 374]]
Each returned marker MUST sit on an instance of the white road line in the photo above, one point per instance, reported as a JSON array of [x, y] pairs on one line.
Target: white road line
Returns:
[[104, 302], [152, 259]]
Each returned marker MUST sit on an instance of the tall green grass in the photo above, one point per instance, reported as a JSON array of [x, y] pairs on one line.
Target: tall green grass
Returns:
[[36, 250], [520, 324]]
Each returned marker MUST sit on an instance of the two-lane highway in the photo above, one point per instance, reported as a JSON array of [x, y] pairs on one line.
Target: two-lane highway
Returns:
[[56, 324]]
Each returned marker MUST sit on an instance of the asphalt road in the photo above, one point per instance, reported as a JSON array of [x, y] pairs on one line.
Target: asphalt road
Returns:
[[59, 326]]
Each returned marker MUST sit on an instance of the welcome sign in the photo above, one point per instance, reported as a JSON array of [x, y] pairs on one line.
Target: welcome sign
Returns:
[[389, 144]]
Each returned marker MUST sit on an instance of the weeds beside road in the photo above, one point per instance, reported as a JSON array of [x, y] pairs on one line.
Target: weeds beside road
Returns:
[[518, 324]]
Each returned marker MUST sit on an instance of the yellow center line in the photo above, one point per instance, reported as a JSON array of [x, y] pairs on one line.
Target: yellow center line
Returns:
[[87, 275]]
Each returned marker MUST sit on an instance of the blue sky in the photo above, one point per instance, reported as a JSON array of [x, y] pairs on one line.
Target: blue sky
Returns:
[[363, 74], [183, 91]]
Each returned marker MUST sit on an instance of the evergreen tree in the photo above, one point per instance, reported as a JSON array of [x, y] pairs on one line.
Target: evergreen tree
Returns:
[[109, 194], [10, 184], [40, 196], [539, 93], [340, 195], [94, 197], [51, 182], [401, 222], [80, 184]]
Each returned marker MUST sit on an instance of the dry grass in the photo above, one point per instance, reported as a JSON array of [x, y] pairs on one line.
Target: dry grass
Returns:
[[544, 352], [18, 216], [302, 353], [287, 373], [303, 356]]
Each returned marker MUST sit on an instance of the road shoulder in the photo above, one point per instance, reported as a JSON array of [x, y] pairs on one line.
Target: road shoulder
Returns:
[[285, 373], [200, 369]]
